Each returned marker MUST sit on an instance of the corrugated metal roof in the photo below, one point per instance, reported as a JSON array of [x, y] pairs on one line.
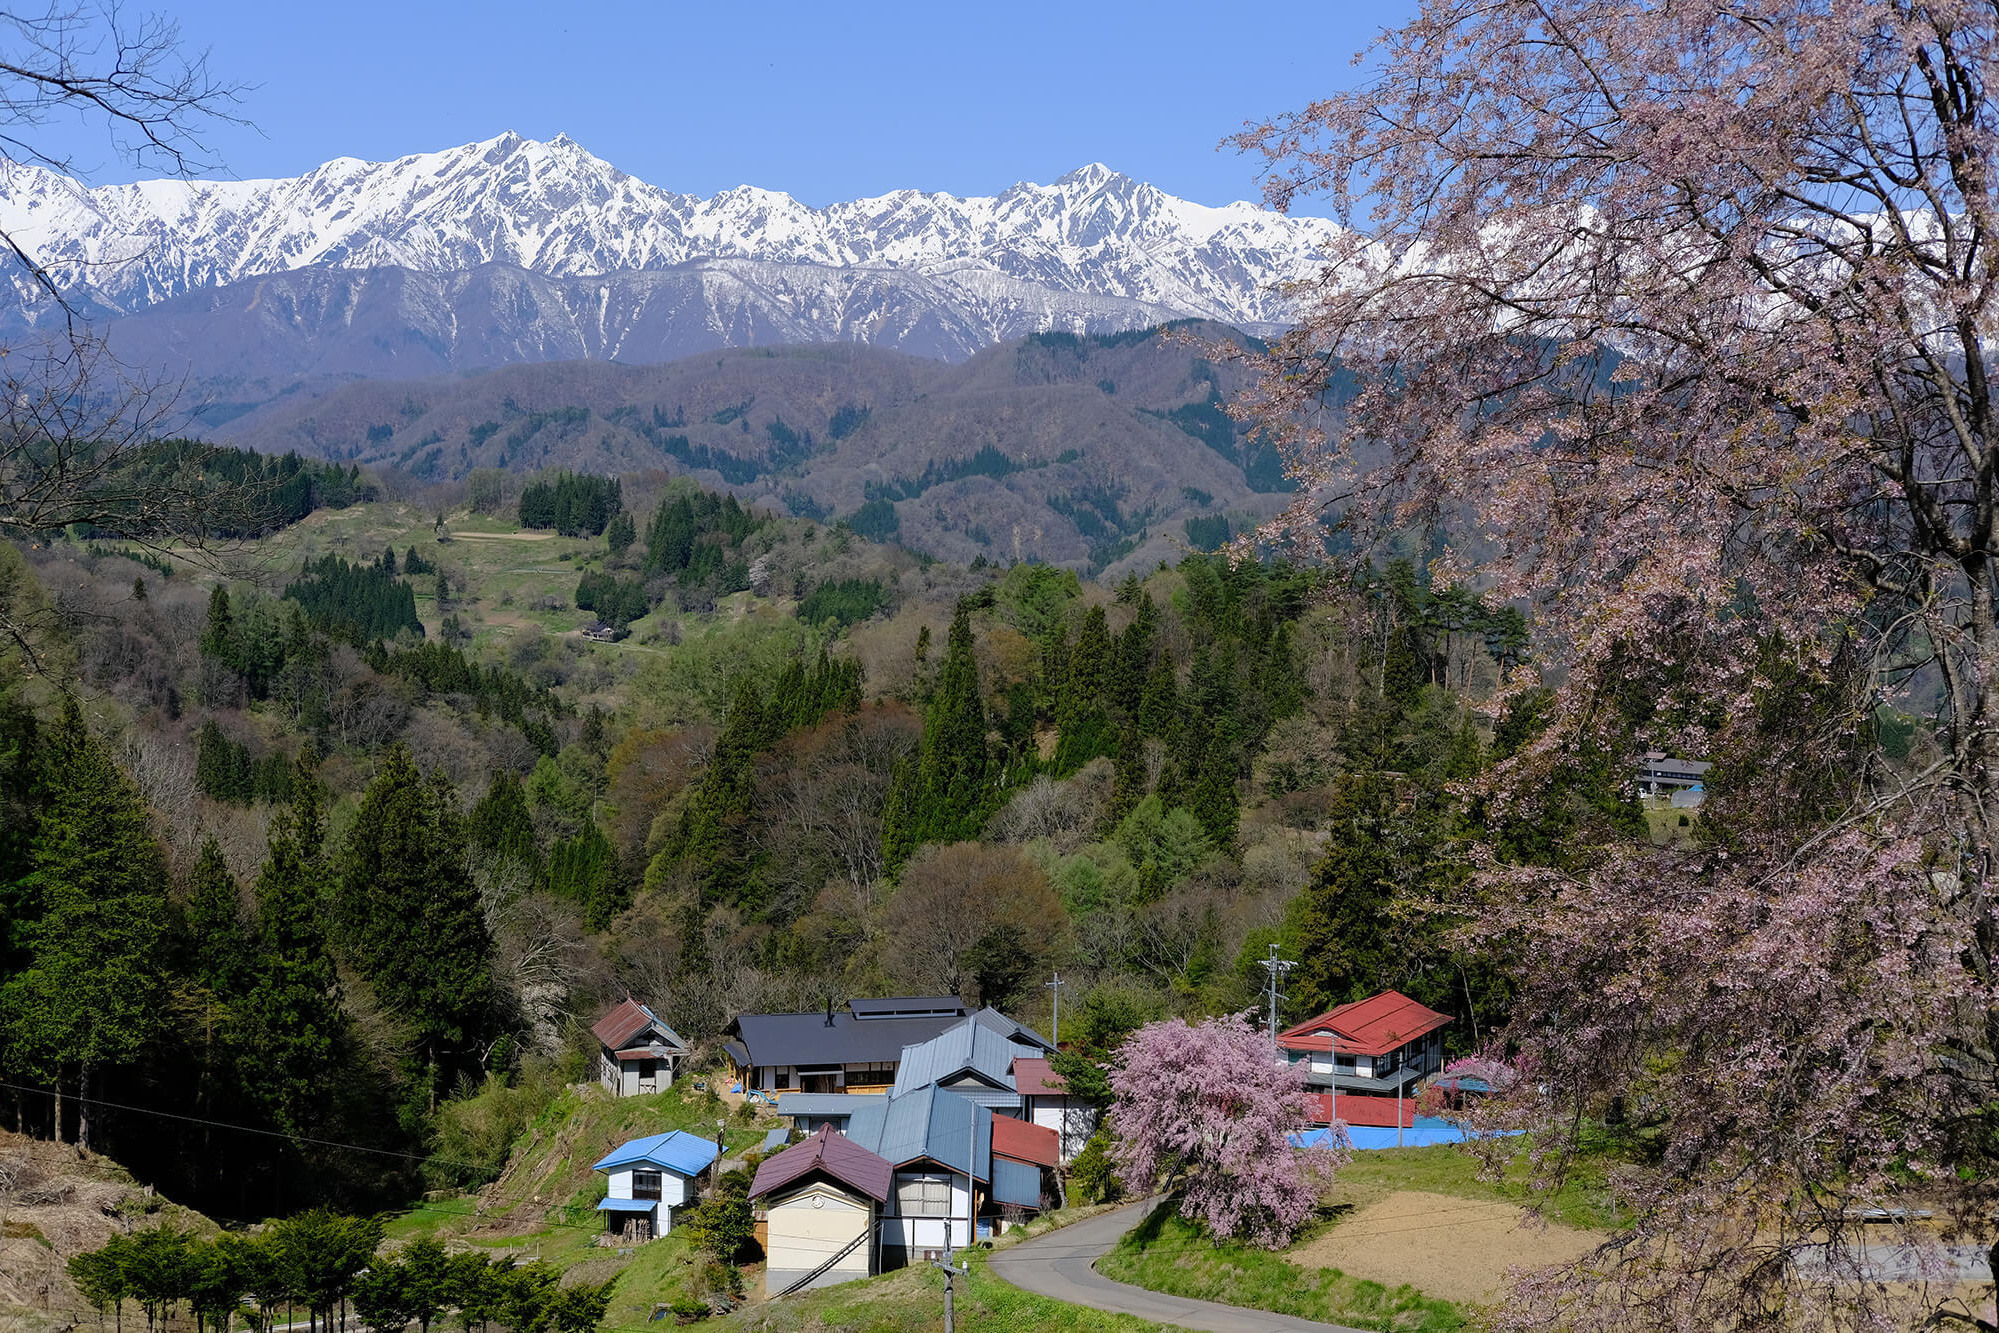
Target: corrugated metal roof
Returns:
[[1026, 1143], [1357, 1110], [775, 1139], [1374, 1026], [967, 1047], [626, 1205], [829, 1154], [1018, 1033], [676, 1150], [1035, 1078], [627, 1021], [1016, 1183], [781, 1040], [824, 1104], [907, 1006], [929, 1122]]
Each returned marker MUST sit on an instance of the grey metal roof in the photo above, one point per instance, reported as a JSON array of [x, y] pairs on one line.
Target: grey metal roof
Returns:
[[1016, 1183], [824, 1105], [1018, 1033], [781, 1040], [929, 1122], [996, 1099], [968, 1046], [908, 1006]]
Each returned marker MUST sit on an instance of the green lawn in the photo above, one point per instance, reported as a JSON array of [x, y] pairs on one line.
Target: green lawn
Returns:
[[1583, 1201], [1169, 1254]]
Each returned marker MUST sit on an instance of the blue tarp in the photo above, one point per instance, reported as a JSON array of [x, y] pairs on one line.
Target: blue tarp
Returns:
[[1426, 1131]]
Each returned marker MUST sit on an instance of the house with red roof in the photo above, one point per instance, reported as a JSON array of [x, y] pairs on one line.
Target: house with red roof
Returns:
[[1045, 1100], [1373, 1046], [637, 1053], [818, 1208]]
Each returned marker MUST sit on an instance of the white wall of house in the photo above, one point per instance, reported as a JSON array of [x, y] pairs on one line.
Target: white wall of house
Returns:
[[1069, 1117], [675, 1190], [806, 1229], [915, 1234]]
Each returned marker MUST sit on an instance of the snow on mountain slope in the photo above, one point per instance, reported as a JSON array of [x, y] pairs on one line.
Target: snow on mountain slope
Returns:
[[554, 210]]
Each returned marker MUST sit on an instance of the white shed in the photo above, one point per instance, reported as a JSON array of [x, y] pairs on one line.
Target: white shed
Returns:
[[820, 1204]]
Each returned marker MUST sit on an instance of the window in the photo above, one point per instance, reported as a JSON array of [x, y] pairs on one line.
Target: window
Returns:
[[648, 1068], [646, 1184], [923, 1196], [783, 1079]]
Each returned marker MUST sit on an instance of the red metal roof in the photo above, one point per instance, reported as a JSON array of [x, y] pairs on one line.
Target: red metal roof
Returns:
[[1375, 1112], [830, 1154], [1034, 1076], [1374, 1026], [621, 1024], [1036, 1145]]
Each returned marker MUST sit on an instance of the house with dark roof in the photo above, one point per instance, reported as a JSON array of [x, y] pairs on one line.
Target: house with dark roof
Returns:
[[649, 1178], [973, 1058], [1660, 774], [852, 1049], [637, 1053], [818, 1209], [1376, 1045], [1045, 1100]]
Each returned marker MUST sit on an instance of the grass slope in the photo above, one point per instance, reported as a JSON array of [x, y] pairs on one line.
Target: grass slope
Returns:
[[1166, 1253]]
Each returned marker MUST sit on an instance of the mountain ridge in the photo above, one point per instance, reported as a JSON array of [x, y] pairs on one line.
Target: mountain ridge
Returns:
[[556, 210]]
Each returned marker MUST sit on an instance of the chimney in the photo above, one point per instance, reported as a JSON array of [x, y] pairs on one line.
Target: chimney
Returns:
[[829, 1011]]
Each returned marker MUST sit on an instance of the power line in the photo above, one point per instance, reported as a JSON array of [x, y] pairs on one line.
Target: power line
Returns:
[[247, 1129]]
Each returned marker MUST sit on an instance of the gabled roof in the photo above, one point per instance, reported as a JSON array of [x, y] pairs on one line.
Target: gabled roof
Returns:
[[1036, 1078], [928, 1123], [831, 1155], [1374, 1026], [967, 1047], [676, 1151], [1375, 1112], [1035, 1144], [1018, 1033], [623, 1025], [823, 1105]]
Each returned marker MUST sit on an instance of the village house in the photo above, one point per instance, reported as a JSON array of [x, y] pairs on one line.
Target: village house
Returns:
[[649, 1178], [637, 1053], [974, 1058], [1045, 1101], [818, 1208], [1020, 1143], [947, 1177], [855, 1049], [1659, 775], [1375, 1046]]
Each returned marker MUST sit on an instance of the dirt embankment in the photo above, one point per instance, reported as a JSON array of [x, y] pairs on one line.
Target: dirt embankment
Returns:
[[54, 1204]]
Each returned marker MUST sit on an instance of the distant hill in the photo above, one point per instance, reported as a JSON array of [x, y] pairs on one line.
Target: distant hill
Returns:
[[1094, 452]]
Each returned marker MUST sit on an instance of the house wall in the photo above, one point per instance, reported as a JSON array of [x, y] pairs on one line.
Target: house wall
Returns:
[[1069, 1118], [904, 1239], [806, 1229]]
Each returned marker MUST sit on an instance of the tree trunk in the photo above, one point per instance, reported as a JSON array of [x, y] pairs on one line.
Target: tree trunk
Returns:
[[83, 1110]]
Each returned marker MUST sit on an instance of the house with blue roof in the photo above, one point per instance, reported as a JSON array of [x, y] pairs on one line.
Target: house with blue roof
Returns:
[[947, 1179], [649, 1178]]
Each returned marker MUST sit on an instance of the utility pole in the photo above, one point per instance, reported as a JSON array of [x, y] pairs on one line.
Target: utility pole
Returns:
[[1054, 988], [1276, 967]]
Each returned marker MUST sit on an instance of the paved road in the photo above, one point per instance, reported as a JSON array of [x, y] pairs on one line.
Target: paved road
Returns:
[[1061, 1264]]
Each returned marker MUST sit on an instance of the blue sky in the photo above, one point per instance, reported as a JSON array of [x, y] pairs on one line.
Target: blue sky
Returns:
[[826, 101]]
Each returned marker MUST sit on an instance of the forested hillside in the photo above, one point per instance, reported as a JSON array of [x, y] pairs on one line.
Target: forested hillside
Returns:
[[311, 858], [1096, 453]]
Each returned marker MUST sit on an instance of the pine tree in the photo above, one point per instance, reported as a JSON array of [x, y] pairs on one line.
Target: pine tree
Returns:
[[218, 947], [621, 533], [1342, 922], [290, 1018], [951, 768], [90, 993], [410, 917], [218, 640], [1084, 724], [501, 827]]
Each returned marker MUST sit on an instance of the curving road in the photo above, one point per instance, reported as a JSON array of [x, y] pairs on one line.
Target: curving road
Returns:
[[1061, 1264]]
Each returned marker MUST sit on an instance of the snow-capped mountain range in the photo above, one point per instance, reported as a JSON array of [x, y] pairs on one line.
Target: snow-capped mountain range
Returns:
[[594, 253]]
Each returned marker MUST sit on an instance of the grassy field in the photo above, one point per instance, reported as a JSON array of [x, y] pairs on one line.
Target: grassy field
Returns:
[[1583, 1202], [1166, 1253]]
